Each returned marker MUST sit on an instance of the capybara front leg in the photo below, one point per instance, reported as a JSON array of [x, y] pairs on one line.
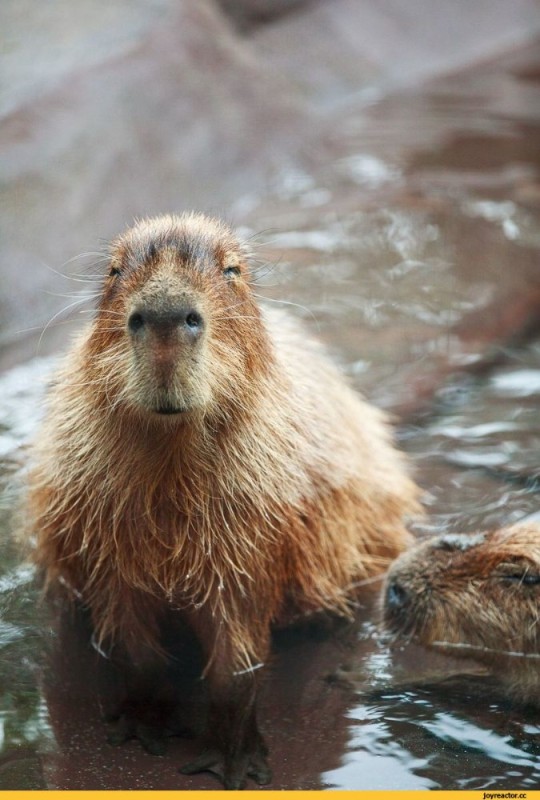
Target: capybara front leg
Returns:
[[147, 707], [234, 747]]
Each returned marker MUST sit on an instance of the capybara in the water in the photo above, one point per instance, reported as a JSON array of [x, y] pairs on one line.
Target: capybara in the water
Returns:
[[201, 459], [477, 596]]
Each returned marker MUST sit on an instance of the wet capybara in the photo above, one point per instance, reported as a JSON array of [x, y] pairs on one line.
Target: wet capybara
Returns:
[[202, 460], [477, 596]]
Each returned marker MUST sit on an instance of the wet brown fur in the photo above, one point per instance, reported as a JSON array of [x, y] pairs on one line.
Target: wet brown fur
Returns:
[[274, 491], [476, 596]]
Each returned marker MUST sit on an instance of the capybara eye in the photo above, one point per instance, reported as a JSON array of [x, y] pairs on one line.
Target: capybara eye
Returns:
[[230, 272], [523, 579], [522, 576], [530, 579]]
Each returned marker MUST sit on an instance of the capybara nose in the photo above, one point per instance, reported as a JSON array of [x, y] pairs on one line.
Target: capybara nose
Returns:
[[396, 596], [180, 319]]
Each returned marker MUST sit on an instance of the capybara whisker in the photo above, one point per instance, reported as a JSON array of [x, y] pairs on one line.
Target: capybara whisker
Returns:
[[55, 317], [482, 649], [76, 295], [288, 303], [367, 581], [40, 327]]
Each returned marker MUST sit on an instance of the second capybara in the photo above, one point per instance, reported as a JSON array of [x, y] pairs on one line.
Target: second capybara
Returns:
[[476, 596], [202, 460]]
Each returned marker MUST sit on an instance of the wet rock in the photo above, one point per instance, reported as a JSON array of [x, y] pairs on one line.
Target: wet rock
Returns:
[[247, 13], [183, 116], [351, 49], [45, 43]]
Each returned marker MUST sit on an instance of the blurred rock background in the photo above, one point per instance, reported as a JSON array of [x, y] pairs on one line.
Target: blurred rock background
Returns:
[[111, 109]]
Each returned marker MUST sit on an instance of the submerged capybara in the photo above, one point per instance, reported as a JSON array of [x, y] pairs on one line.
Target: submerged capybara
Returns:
[[476, 596], [202, 460]]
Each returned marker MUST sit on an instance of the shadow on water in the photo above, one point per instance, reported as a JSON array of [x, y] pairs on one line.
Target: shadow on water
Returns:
[[415, 256]]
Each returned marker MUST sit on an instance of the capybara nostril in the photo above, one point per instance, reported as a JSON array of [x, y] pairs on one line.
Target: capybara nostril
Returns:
[[165, 321], [396, 596], [135, 322], [194, 321]]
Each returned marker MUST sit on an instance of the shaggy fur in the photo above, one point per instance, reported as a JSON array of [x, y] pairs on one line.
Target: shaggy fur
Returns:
[[476, 596], [267, 496]]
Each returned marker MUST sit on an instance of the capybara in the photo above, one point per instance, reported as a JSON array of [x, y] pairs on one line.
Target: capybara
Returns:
[[477, 596], [202, 460]]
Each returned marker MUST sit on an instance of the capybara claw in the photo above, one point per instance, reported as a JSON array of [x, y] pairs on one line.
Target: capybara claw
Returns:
[[208, 761], [127, 727], [260, 771], [232, 771]]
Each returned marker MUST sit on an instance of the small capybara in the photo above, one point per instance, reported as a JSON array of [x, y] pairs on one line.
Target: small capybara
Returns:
[[201, 459], [476, 596]]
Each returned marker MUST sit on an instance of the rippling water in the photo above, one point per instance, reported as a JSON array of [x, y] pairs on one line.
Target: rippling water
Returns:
[[404, 266]]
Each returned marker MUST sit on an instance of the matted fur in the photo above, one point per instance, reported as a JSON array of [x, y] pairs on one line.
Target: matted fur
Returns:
[[475, 596], [274, 491]]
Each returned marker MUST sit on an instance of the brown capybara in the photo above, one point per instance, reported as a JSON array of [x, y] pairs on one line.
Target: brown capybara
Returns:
[[477, 596], [202, 460]]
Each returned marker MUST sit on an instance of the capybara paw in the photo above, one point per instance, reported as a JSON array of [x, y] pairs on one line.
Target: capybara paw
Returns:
[[129, 727], [232, 771]]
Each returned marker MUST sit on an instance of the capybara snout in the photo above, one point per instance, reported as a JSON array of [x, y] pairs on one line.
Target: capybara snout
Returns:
[[172, 319], [476, 596], [167, 337]]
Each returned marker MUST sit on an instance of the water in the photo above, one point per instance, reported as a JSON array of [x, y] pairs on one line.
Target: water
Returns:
[[414, 254]]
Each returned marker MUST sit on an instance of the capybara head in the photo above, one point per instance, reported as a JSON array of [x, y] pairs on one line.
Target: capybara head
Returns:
[[475, 595], [177, 329]]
